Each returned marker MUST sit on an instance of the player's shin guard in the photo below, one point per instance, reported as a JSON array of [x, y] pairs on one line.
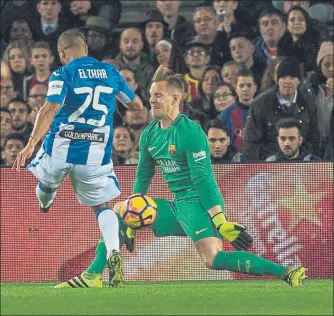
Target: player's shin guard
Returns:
[[109, 227], [246, 262], [45, 196]]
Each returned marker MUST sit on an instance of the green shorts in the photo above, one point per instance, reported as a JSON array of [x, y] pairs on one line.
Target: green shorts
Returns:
[[185, 216], [166, 223]]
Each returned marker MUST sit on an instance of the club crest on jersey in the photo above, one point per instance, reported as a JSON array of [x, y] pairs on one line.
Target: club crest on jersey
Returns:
[[172, 150]]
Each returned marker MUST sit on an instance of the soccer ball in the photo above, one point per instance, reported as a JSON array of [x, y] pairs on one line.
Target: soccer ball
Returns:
[[139, 211]]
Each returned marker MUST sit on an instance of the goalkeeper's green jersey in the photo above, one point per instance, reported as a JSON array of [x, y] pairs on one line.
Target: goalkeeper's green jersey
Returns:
[[183, 154]]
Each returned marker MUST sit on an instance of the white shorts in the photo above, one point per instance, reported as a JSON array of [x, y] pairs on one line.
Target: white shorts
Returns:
[[93, 185]]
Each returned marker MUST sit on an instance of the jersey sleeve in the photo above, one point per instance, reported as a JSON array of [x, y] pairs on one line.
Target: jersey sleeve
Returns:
[[201, 172], [58, 88], [145, 169], [126, 95]]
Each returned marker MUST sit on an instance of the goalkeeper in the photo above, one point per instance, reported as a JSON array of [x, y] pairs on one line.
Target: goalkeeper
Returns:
[[179, 146]]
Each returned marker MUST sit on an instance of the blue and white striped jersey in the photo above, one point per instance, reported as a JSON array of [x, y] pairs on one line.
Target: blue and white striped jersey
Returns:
[[82, 129]]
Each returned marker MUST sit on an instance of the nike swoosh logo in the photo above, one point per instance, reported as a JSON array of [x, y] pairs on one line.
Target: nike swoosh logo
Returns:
[[198, 231], [151, 148]]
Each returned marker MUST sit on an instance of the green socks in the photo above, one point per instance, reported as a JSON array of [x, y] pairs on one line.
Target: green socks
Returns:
[[100, 260], [246, 262], [237, 261]]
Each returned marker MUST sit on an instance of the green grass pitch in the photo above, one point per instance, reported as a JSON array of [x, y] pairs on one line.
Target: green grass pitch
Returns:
[[265, 297]]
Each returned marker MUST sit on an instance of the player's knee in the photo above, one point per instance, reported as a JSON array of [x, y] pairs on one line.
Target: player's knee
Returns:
[[208, 262], [208, 258], [99, 207]]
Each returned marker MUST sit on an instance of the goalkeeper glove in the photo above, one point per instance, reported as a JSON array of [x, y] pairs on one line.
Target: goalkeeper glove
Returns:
[[233, 232], [130, 239]]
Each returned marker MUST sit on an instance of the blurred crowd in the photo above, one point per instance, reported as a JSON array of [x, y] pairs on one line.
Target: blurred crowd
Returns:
[[259, 73]]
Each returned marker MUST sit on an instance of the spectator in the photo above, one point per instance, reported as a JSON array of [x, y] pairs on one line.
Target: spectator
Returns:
[[129, 76], [155, 29], [99, 37], [219, 143], [319, 25], [110, 10], [329, 152], [20, 111], [224, 97], [5, 71], [136, 121], [111, 61], [197, 58], [131, 54], [123, 153], [17, 57], [206, 90], [36, 100], [17, 10], [272, 27], [229, 72], [8, 91], [301, 40], [169, 54], [319, 86], [14, 143], [51, 24], [41, 60], [248, 12], [290, 142], [6, 125], [227, 20], [180, 29], [19, 30], [242, 51], [235, 116], [269, 79], [188, 110], [284, 101], [80, 10], [206, 25]]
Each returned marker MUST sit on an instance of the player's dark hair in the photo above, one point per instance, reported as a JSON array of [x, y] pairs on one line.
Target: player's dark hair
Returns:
[[15, 136], [20, 100], [288, 122], [216, 123], [175, 81]]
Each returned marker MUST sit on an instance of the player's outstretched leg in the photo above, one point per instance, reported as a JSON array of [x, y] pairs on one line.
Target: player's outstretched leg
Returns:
[[115, 264], [45, 196], [248, 263], [83, 280], [109, 227], [295, 276]]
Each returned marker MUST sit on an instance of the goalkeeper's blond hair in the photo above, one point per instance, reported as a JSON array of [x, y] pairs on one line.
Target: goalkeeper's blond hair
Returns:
[[174, 81]]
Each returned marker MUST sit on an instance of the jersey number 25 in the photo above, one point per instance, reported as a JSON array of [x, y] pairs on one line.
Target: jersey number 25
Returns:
[[92, 95]]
